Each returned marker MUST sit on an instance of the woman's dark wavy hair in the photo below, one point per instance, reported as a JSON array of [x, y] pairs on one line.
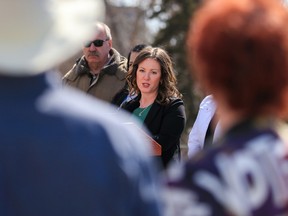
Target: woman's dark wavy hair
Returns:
[[167, 87]]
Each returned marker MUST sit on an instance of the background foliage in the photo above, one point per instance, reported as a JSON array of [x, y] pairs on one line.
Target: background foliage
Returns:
[[175, 17]]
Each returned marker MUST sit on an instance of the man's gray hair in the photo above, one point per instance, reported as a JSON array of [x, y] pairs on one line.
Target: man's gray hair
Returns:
[[106, 29]]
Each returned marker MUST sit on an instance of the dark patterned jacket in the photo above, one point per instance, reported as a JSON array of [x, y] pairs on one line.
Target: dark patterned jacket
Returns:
[[244, 174]]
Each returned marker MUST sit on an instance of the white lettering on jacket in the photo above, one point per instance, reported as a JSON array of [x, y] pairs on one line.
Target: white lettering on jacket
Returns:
[[246, 177]]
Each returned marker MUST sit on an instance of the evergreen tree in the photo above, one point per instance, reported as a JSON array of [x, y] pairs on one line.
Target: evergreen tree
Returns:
[[175, 16]]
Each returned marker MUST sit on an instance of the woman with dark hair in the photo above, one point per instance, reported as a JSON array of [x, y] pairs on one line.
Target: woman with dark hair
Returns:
[[158, 103]]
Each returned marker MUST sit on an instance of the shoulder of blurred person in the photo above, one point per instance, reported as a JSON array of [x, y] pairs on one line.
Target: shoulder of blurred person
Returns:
[[220, 177], [63, 153], [74, 145]]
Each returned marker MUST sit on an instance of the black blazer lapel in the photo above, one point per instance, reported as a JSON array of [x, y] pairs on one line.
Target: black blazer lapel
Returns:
[[153, 114]]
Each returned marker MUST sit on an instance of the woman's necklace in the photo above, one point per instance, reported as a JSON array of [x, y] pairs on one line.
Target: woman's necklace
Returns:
[[140, 114]]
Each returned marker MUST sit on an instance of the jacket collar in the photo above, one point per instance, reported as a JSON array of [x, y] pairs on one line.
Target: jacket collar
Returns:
[[154, 110], [110, 68]]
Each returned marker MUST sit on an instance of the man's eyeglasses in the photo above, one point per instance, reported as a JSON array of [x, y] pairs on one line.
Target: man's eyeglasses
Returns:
[[97, 43]]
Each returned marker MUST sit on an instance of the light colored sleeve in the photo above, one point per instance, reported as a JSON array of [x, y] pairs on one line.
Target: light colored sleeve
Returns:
[[218, 132], [197, 134]]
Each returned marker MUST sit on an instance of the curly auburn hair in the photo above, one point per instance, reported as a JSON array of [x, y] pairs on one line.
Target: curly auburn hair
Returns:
[[239, 49], [167, 86]]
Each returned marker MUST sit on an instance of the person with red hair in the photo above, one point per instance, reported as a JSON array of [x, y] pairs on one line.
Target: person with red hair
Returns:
[[239, 53]]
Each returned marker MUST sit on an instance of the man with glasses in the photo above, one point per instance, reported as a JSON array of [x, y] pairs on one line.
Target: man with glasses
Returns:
[[101, 70]]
